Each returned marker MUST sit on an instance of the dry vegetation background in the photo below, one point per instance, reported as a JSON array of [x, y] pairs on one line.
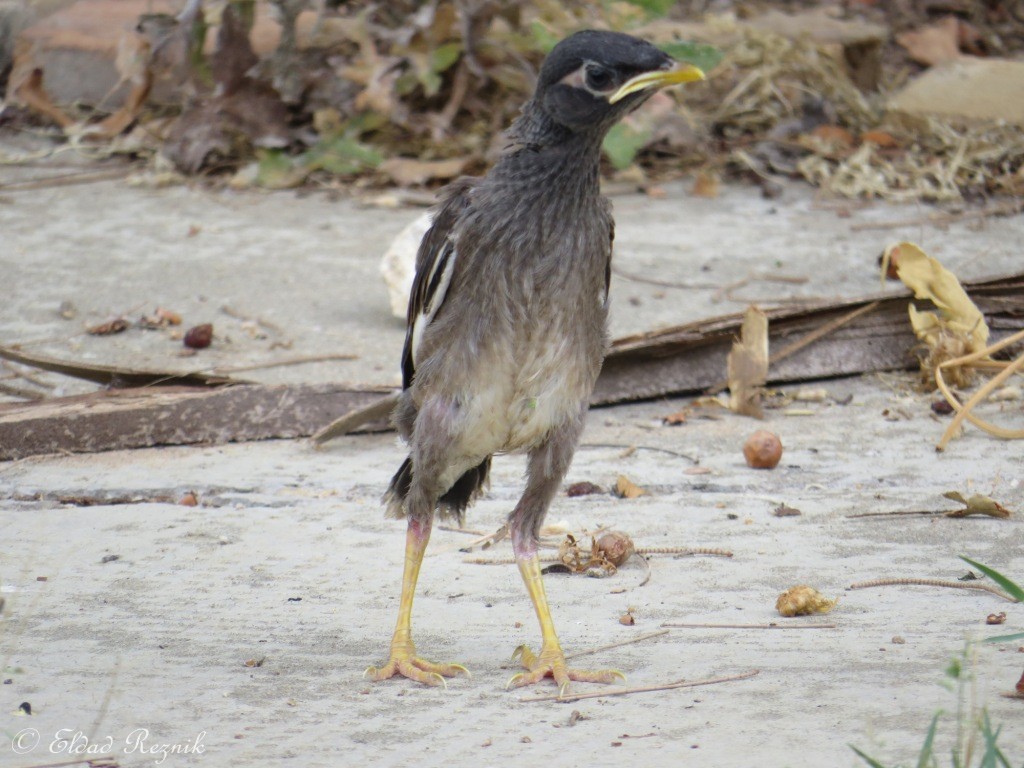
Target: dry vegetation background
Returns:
[[854, 96]]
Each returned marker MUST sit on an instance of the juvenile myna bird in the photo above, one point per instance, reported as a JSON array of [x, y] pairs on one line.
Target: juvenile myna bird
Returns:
[[507, 324]]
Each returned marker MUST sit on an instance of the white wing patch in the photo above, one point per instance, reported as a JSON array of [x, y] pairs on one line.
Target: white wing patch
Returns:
[[438, 280]]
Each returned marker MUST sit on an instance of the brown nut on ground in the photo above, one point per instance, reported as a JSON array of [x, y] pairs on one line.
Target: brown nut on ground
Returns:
[[763, 450], [199, 337], [616, 546]]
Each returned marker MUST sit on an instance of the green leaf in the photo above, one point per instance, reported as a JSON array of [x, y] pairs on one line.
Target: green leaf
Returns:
[[1011, 588], [955, 669], [1004, 638], [654, 7], [869, 760], [277, 170], [993, 757], [707, 57], [342, 155], [442, 57], [543, 38], [925, 757], [622, 143]]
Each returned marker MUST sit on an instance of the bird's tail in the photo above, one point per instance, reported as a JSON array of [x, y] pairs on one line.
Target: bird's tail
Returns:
[[455, 500]]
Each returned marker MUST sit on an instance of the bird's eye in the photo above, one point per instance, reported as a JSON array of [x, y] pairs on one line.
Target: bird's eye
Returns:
[[599, 78]]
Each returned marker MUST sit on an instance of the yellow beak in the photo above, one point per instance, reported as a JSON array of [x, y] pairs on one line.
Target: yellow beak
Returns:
[[686, 73]]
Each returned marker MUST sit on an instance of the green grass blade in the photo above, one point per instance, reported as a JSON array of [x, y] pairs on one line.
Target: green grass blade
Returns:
[[869, 760], [1013, 589], [924, 759], [1004, 638]]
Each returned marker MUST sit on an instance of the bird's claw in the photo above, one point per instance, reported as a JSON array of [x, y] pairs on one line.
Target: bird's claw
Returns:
[[551, 663], [415, 668]]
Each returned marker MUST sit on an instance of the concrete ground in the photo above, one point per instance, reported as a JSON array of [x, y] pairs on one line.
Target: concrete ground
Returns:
[[153, 615]]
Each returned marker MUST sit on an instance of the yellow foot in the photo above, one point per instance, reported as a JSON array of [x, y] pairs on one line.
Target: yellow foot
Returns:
[[551, 663], [415, 668]]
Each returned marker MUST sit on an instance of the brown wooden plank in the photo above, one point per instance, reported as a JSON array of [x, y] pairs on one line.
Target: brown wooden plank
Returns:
[[681, 360], [141, 418], [691, 358]]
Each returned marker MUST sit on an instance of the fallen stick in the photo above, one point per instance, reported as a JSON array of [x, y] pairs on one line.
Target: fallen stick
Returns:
[[714, 551], [23, 392], [773, 625], [380, 408], [898, 513], [301, 360], [113, 376], [638, 639], [963, 411], [933, 583], [641, 689]]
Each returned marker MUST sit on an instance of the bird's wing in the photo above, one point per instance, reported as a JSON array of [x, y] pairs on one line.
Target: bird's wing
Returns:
[[608, 263], [435, 263]]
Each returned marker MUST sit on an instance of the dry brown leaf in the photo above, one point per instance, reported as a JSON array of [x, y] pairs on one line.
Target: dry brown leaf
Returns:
[[958, 328], [784, 510], [706, 184], [834, 136], [748, 364], [408, 172], [675, 419], [583, 488], [976, 505], [880, 138], [934, 44], [803, 601], [117, 325], [627, 489], [33, 93]]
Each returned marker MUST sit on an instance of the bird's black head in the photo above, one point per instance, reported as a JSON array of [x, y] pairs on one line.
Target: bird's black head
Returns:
[[592, 78]]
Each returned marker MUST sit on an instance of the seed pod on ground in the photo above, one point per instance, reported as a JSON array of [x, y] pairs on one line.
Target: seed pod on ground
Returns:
[[616, 546], [763, 450], [199, 337]]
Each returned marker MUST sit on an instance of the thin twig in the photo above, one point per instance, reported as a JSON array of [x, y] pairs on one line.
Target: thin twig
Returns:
[[453, 529], [378, 409], [642, 689], [725, 291], [933, 583], [302, 360], [641, 448], [639, 550], [662, 283], [234, 313], [824, 330], [15, 391], [683, 551], [897, 513], [647, 576], [637, 639], [27, 375], [940, 219], [964, 410], [773, 625], [65, 180], [486, 540]]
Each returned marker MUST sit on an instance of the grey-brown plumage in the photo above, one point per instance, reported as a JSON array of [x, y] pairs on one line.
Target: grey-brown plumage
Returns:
[[511, 295], [507, 321]]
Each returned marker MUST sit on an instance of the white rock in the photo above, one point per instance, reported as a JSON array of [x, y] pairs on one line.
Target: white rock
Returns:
[[398, 266]]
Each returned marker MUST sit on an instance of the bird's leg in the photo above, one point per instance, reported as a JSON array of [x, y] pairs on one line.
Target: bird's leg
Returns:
[[403, 659], [548, 465]]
